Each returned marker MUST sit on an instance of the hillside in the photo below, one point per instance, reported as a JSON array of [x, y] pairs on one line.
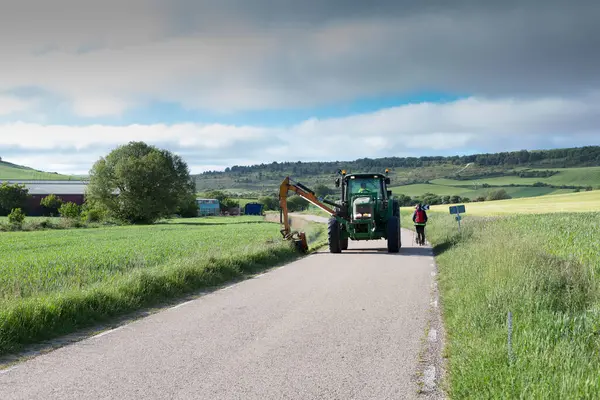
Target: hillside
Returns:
[[523, 173], [9, 171]]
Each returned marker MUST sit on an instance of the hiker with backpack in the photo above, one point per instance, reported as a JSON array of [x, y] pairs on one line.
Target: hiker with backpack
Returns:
[[420, 220]]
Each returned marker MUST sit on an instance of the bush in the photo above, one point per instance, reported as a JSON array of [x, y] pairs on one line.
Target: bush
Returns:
[[500, 194], [69, 210], [51, 204], [16, 217], [11, 197]]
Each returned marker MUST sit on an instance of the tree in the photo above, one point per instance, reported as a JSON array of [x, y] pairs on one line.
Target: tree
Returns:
[[11, 197], [51, 204], [140, 184], [269, 203], [322, 190], [297, 203], [16, 218]]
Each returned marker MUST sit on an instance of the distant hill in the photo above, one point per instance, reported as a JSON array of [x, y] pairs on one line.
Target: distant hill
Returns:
[[522, 169], [10, 171]]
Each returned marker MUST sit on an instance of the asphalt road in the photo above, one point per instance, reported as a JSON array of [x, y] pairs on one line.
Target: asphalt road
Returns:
[[329, 326]]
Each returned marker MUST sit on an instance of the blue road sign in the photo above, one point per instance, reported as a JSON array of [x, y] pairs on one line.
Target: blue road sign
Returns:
[[457, 209]]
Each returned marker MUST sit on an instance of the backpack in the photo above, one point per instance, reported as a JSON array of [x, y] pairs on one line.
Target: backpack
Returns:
[[420, 219]]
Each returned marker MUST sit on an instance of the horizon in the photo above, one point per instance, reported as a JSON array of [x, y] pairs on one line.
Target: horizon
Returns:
[[245, 83], [85, 175]]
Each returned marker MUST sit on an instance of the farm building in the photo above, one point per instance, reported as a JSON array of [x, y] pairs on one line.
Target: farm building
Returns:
[[73, 191], [208, 207]]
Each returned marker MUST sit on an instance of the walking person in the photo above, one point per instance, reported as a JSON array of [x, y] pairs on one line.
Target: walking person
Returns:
[[420, 220]]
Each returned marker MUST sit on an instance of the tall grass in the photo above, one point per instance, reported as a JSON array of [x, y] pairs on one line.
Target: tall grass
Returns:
[[544, 270], [54, 282]]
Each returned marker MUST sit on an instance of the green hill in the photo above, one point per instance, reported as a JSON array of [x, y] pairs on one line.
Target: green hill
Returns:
[[9, 171], [522, 174]]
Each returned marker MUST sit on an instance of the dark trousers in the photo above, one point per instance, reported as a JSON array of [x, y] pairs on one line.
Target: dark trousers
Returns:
[[420, 234]]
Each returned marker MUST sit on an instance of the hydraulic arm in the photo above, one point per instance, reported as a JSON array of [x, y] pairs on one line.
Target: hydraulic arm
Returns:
[[299, 238]]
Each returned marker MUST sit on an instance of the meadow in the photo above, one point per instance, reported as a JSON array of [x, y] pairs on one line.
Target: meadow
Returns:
[[416, 190], [543, 269], [55, 282], [570, 202], [16, 172]]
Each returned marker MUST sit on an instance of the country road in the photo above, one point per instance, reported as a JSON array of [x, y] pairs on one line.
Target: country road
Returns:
[[328, 326]]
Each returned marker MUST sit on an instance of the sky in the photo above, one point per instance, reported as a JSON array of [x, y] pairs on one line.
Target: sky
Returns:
[[240, 82]]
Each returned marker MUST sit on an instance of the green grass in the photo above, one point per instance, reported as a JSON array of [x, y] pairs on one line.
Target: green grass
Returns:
[[544, 270], [448, 190], [570, 202], [54, 282], [16, 172]]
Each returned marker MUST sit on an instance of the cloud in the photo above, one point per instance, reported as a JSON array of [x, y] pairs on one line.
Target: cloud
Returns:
[[11, 104], [475, 123], [226, 56]]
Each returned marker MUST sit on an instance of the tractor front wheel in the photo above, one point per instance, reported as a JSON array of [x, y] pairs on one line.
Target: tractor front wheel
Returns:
[[393, 234], [335, 245]]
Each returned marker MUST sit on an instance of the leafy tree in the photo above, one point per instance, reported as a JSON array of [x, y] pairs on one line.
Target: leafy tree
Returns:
[[51, 204], [11, 197], [139, 183], [188, 207], [269, 203], [297, 203], [323, 191]]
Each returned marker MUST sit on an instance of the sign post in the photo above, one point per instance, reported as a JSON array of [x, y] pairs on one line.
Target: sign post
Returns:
[[457, 210]]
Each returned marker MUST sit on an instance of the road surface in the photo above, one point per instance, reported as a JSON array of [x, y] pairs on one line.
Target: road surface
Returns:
[[329, 326]]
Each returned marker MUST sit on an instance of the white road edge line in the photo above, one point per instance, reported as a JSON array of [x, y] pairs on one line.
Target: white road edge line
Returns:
[[432, 335], [106, 332], [430, 377], [5, 370], [181, 305]]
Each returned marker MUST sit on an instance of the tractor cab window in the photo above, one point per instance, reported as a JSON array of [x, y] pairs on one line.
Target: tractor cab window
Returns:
[[363, 185]]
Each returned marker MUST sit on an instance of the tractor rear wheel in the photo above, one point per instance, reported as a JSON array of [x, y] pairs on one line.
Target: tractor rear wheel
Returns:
[[344, 244], [334, 236], [393, 234]]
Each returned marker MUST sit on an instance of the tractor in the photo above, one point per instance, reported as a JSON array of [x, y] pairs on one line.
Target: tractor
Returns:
[[365, 211]]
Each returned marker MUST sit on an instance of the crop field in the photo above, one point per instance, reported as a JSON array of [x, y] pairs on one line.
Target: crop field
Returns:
[[570, 202], [52, 282], [589, 176], [543, 269], [416, 190]]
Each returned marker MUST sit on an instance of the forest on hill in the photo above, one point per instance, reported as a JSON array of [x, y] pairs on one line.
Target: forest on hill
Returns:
[[404, 170]]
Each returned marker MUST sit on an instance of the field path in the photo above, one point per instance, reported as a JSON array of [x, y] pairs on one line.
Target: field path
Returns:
[[329, 326]]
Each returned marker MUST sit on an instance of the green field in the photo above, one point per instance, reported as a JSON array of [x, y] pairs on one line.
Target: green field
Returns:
[[570, 202], [417, 190], [53, 282], [589, 176], [16, 172], [544, 270]]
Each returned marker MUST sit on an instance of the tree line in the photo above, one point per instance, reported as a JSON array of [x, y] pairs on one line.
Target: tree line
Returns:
[[556, 158]]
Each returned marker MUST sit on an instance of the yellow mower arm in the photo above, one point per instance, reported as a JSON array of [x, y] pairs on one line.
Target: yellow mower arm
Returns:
[[299, 238]]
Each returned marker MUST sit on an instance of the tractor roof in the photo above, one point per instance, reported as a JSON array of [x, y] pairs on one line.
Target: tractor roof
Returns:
[[366, 175]]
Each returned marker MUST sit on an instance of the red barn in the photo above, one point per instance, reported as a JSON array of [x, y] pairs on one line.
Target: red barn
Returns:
[[73, 191]]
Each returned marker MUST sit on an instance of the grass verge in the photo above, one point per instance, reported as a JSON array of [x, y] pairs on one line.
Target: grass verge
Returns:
[[56, 282], [544, 270]]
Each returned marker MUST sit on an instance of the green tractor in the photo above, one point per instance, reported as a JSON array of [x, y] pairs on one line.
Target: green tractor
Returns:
[[366, 211]]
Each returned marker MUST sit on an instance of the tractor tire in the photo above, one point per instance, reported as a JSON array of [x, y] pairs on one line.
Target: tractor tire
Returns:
[[393, 234], [333, 228], [344, 244], [396, 208]]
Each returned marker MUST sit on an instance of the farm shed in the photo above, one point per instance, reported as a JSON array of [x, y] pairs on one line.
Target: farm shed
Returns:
[[68, 191], [208, 207], [253, 209]]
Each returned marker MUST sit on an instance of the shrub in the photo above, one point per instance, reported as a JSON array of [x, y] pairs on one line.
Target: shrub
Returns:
[[11, 197], [69, 210], [16, 217], [51, 204]]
